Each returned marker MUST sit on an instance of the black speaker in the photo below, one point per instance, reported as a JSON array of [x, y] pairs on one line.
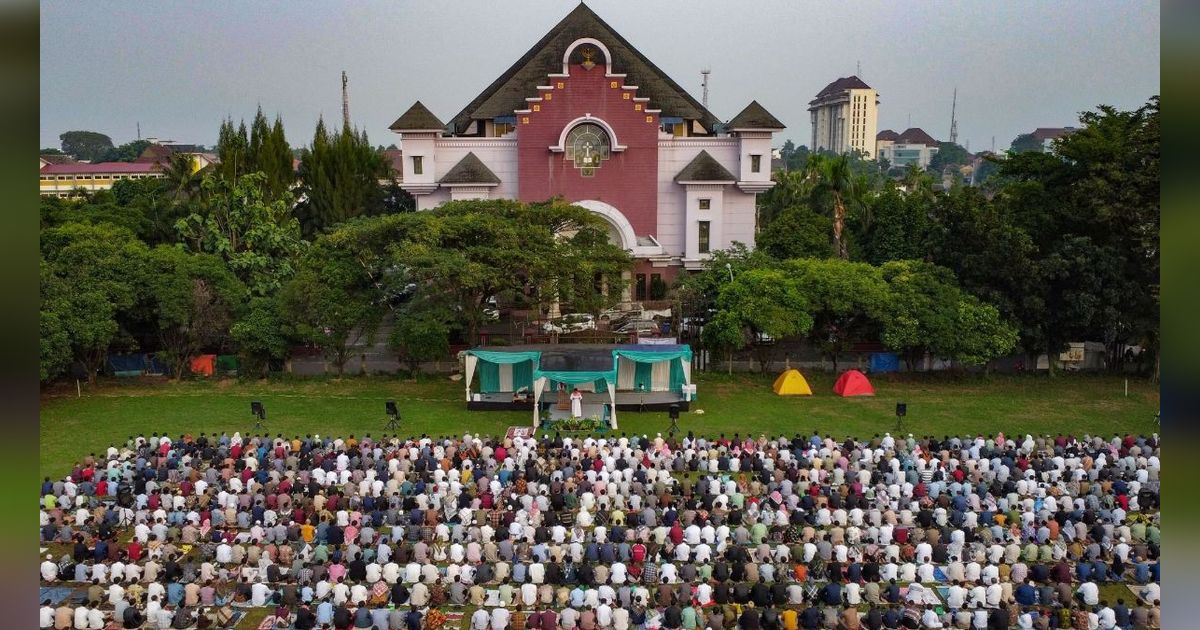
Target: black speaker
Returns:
[[257, 409], [390, 406], [901, 409], [674, 411]]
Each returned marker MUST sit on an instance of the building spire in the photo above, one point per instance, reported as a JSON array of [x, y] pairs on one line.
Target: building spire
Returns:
[[705, 72]]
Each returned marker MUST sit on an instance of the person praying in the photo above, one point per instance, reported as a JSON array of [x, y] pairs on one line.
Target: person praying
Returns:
[[576, 403]]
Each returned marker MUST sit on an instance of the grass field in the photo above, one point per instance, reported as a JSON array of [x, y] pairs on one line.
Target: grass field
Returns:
[[72, 427]]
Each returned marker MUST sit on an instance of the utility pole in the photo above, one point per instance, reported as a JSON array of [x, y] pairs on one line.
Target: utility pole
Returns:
[[858, 69], [704, 73], [953, 120], [345, 102], [139, 129]]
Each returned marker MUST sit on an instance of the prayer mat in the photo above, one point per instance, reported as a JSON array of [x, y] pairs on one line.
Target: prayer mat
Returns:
[[56, 594]]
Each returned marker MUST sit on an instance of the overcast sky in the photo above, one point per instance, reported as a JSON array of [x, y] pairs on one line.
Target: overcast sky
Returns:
[[179, 68]]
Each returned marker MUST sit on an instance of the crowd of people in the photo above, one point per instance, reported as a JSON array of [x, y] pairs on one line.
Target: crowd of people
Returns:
[[608, 533]]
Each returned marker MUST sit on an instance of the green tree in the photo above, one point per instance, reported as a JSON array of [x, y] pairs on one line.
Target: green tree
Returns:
[[233, 146], [332, 303], [53, 321], [95, 275], [760, 301], [949, 154], [923, 304], [195, 298], [340, 177], [462, 253], [259, 239], [900, 226], [128, 152], [261, 334], [796, 232], [848, 301], [982, 334], [85, 145], [418, 336], [1025, 143]]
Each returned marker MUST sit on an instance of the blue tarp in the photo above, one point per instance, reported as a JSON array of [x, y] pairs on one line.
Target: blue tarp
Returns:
[[127, 364], [884, 362]]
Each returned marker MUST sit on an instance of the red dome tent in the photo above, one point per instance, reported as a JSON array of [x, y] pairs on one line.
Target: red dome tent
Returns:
[[853, 383]]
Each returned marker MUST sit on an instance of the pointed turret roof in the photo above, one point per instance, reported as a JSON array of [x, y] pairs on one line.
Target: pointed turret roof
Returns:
[[508, 93], [417, 118], [755, 116], [469, 170], [704, 168]]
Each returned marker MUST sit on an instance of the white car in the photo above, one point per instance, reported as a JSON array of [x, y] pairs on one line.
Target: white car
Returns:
[[574, 322]]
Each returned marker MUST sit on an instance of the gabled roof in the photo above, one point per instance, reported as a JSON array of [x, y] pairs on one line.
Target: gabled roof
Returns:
[[57, 158], [887, 134], [469, 170], [841, 85], [916, 135], [508, 92], [755, 116], [704, 168], [417, 118]]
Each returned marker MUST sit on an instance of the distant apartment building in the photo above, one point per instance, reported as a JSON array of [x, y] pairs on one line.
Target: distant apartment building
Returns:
[[914, 146], [844, 117]]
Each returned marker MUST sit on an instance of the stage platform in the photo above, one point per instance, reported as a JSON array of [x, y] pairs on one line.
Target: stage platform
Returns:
[[626, 401]]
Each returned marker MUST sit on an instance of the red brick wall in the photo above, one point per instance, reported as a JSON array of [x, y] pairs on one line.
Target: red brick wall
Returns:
[[628, 180]]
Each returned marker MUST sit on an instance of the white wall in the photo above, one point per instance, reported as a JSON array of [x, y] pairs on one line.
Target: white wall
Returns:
[[673, 156]]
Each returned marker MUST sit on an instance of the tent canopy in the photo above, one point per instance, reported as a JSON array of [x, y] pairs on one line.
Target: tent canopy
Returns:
[[654, 367], [853, 383], [792, 383]]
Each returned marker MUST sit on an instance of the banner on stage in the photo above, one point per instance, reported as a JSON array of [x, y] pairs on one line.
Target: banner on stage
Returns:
[[657, 341]]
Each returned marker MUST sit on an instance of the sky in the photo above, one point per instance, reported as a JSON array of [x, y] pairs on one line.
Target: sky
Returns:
[[179, 68]]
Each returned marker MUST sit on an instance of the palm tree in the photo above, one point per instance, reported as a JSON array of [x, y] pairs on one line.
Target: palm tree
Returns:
[[834, 177], [181, 177]]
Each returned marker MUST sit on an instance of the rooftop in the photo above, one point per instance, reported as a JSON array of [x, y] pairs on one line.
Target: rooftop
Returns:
[[83, 168], [840, 86], [509, 91], [916, 135], [418, 117], [704, 168], [755, 116], [469, 170]]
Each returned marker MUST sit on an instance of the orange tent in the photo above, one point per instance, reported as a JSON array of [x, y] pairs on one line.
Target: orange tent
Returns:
[[853, 383], [203, 364]]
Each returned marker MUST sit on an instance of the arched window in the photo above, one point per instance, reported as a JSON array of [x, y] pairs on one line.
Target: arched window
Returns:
[[587, 146]]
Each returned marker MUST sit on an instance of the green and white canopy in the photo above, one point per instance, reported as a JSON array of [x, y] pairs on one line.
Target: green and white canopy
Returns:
[[597, 368]]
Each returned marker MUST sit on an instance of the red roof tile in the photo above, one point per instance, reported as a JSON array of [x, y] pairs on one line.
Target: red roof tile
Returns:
[[83, 168]]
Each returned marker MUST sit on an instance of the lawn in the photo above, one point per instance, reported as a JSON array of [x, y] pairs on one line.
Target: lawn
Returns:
[[72, 427]]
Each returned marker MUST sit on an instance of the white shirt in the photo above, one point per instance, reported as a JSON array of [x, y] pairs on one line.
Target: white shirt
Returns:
[[46, 617], [500, 617]]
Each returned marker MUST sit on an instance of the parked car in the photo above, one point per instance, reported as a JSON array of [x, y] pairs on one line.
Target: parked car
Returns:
[[639, 327], [573, 322]]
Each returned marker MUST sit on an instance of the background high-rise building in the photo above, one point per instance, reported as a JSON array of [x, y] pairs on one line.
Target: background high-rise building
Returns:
[[845, 117]]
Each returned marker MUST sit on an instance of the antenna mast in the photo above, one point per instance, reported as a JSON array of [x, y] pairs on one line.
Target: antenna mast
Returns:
[[705, 72], [345, 101], [953, 120]]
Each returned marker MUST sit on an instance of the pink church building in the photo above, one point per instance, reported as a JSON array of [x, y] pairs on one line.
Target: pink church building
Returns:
[[585, 116]]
